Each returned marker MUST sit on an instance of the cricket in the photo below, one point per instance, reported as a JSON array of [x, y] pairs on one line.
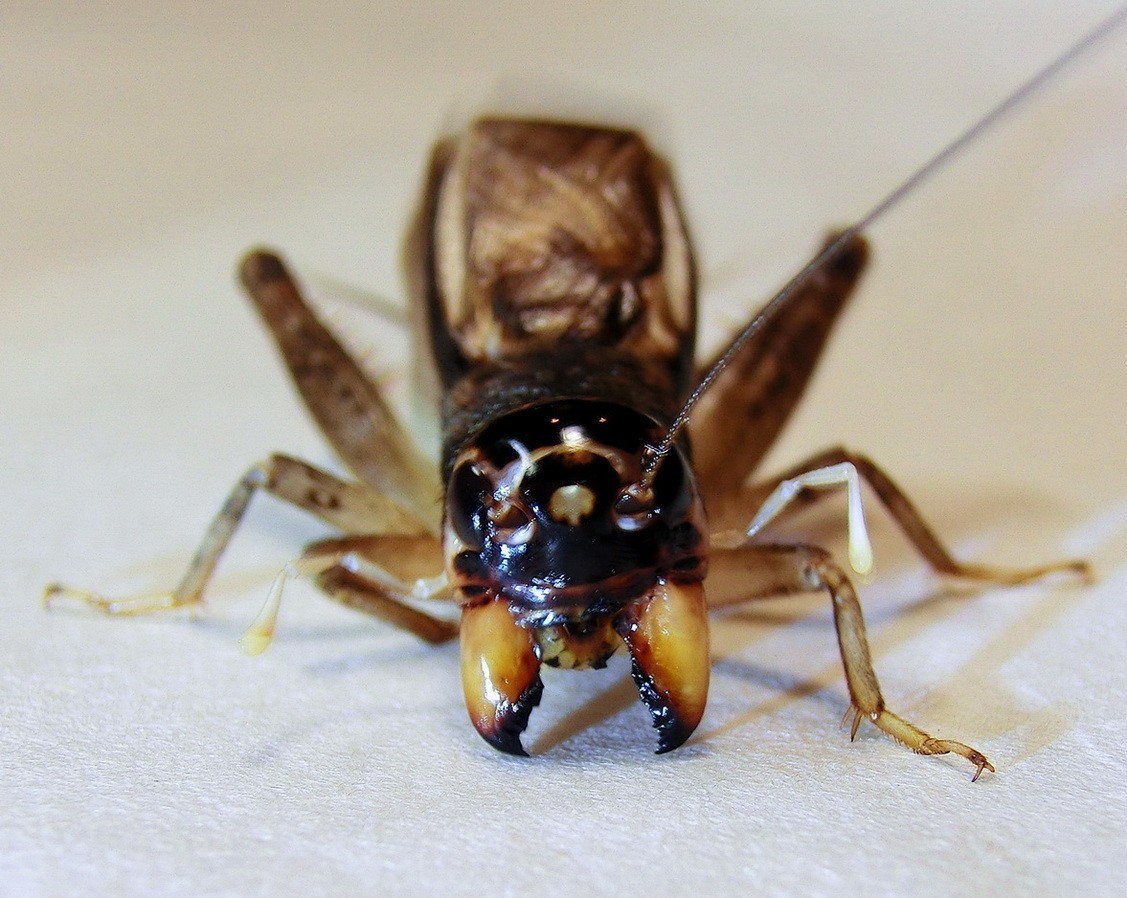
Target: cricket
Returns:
[[599, 488]]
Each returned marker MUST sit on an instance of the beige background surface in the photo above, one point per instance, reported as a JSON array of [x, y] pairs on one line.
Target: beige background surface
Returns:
[[983, 364]]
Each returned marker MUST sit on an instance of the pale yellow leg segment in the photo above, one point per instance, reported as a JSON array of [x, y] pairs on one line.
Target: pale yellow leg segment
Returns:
[[56, 593], [843, 474]]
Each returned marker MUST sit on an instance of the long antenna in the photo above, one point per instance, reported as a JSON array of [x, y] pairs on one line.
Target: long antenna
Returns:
[[921, 174]]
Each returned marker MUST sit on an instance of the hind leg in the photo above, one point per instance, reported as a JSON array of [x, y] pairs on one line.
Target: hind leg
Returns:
[[348, 407]]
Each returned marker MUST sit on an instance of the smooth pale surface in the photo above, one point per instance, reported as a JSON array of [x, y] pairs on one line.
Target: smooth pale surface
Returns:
[[983, 364]]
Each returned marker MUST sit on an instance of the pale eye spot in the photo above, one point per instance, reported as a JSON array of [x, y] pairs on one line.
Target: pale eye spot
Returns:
[[573, 435], [571, 503]]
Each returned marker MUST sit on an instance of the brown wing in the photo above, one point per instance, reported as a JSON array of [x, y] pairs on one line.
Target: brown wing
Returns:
[[736, 421], [536, 234]]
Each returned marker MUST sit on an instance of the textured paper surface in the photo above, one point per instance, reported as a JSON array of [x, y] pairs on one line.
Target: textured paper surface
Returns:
[[982, 364]]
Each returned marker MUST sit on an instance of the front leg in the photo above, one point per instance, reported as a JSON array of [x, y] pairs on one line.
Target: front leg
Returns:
[[500, 673], [781, 570], [666, 633]]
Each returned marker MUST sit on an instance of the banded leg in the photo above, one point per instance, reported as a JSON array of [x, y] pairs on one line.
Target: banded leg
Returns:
[[796, 482], [379, 575], [353, 507], [779, 570], [345, 404]]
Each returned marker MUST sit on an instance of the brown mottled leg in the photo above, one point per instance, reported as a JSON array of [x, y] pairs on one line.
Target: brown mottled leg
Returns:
[[353, 507], [902, 510], [775, 570], [377, 600], [348, 407]]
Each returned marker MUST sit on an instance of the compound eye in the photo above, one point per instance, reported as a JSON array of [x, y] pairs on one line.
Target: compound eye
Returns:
[[512, 525], [634, 507], [466, 498]]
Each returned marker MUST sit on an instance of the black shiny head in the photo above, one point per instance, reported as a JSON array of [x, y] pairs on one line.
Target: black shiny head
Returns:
[[545, 507]]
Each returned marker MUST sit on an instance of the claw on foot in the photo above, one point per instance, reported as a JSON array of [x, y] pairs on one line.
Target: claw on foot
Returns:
[[943, 746], [918, 741], [982, 764]]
